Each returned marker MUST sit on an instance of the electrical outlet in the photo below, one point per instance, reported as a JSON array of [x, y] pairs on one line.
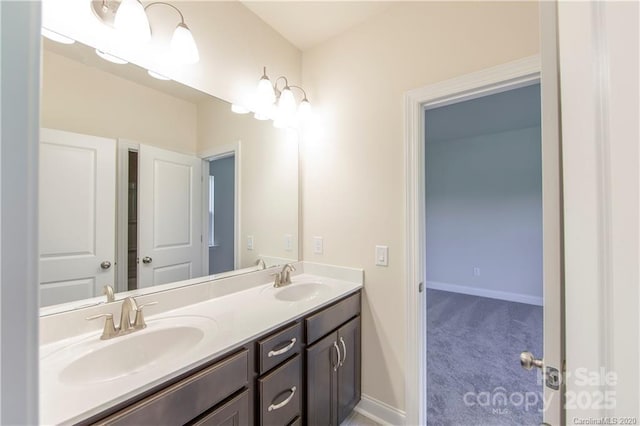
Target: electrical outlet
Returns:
[[288, 242], [250, 242], [476, 271], [318, 245]]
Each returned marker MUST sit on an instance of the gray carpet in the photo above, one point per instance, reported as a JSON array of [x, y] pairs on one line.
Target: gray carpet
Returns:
[[473, 369]]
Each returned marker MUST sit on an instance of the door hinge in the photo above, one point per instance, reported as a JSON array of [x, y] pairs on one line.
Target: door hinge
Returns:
[[420, 287]]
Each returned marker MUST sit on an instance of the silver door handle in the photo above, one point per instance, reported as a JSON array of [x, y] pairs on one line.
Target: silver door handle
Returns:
[[146, 260], [528, 361], [283, 350], [285, 402], [338, 364], [344, 347], [105, 265]]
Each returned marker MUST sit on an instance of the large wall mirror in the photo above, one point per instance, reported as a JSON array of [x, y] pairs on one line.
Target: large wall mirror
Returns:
[[145, 182]]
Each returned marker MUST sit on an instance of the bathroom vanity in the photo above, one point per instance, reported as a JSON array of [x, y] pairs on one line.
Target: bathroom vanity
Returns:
[[295, 360]]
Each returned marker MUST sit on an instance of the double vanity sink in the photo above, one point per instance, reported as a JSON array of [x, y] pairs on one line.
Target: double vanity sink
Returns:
[[83, 375]]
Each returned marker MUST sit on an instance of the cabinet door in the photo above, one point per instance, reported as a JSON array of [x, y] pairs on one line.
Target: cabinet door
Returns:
[[349, 371], [233, 413], [322, 382]]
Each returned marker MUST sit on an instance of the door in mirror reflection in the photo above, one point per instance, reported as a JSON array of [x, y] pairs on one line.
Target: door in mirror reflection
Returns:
[[170, 197], [77, 178]]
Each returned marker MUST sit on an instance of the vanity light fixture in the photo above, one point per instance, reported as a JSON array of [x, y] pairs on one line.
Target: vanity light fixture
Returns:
[[129, 18], [279, 104], [52, 35], [239, 109], [131, 22]]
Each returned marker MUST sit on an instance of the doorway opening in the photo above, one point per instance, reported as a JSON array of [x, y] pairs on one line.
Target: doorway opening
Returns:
[[221, 213], [483, 245]]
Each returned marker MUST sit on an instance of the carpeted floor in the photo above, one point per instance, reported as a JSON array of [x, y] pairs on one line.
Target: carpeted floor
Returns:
[[473, 369]]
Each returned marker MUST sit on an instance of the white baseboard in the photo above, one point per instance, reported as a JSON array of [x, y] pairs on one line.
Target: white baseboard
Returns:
[[379, 411], [492, 294]]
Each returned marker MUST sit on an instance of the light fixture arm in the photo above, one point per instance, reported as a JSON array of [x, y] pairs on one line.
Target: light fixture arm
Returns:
[[303, 92], [166, 4]]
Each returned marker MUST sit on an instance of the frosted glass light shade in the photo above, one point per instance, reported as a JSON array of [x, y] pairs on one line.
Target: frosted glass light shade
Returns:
[[287, 104], [265, 96], [132, 23], [183, 46], [304, 110]]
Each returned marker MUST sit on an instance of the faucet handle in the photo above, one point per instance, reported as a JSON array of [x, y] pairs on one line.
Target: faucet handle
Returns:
[[139, 323], [109, 330], [277, 282]]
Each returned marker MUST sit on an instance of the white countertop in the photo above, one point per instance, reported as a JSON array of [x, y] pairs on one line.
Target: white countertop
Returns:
[[237, 318]]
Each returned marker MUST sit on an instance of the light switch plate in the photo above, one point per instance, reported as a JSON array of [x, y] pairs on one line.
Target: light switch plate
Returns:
[[382, 255], [318, 245], [250, 242], [288, 242]]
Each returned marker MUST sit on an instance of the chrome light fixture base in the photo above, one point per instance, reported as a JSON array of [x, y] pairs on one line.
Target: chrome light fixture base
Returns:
[[105, 11]]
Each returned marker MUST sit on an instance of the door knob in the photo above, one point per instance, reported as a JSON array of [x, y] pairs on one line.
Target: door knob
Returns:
[[528, 361], [146, 260], [105, 265]]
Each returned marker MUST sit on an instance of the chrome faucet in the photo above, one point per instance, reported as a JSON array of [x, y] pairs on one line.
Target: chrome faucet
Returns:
[[128, 305], [286, 274], [107, 290], [126, 326]]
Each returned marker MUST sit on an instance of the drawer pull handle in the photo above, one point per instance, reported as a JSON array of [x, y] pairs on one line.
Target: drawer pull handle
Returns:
[[285, 402], [344, 348], [283, 350], [339, 363]]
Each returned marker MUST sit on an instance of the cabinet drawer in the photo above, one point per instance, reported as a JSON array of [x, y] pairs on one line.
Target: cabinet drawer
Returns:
[[280, 392], [233, 413], [187, 399], [327, 320], [279, 347]]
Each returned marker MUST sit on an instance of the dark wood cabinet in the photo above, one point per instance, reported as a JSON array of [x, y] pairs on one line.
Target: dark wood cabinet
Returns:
[[307, 372], [333, 375], [233, 413]]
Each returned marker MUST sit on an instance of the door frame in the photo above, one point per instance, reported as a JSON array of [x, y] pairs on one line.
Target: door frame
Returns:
[[122, 212], [512, 75], [213, 154]]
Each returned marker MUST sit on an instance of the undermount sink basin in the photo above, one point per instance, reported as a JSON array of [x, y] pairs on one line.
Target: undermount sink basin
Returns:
[[301, 292], [94, 360]]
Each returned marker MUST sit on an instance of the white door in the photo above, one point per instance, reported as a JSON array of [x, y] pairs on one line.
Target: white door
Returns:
[[170, 228], [76, 215]]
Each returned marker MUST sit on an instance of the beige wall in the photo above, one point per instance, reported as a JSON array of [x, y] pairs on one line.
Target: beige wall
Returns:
[[268, 175], [353, 171], [234, 43], [83, 99]]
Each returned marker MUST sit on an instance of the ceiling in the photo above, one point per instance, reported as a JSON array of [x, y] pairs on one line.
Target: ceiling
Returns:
[[308, 23]]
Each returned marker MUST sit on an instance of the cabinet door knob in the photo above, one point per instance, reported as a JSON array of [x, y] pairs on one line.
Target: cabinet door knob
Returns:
[[344, 348], [105, 265], [146, 260], [339, 363]]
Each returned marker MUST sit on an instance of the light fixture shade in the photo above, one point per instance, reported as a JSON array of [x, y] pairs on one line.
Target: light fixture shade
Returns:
[[304, 110], [132, 23], [183, 46], [239, 109], [52, 35], [287, 104], [265, 96]]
